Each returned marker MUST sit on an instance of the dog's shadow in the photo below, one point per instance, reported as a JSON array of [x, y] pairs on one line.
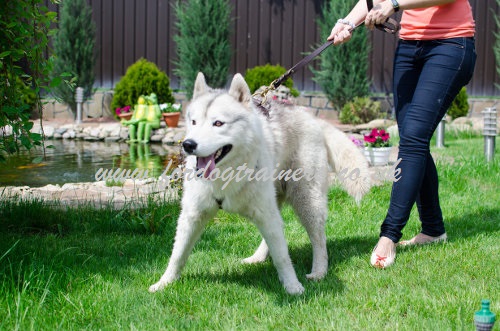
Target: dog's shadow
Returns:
[[264, 275]]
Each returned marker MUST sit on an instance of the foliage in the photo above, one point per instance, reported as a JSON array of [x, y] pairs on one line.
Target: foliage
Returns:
[[142, 78], [24, 70], [263, 76], [170, 107], [203, 42], [74, 45], [342, 72], [460, 105], [377, 138], [496, 45], [360, 110]]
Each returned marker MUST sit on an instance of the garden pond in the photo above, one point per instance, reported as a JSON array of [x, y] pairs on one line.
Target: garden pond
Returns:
[[76, 161]]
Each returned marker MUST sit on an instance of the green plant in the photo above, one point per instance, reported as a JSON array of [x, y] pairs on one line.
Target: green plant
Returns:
[[460, 105], [360, 110], [342, 72], [263, 76], [24, 70], [142, 78], [170, 108], [203, 42], [74, 53]]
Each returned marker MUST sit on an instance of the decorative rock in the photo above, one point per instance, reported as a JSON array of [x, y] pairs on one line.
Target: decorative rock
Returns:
[[112, 139], [48, 131], [156, 138], [377, 123], [124, 133], [60, 131], [7, 130], [95, 132]]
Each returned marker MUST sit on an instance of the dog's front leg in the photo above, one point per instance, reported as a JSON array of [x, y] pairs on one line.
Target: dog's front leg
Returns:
[[271, 228], [189, 228]]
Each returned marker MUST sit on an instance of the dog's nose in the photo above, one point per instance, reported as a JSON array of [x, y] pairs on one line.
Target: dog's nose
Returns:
[[189, 145]]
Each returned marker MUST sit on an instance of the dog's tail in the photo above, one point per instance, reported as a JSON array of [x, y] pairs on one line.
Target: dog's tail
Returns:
[[348, 162]]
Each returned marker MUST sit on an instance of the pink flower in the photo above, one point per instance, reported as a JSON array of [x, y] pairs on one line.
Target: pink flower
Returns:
[[377, 138], [356, 141]]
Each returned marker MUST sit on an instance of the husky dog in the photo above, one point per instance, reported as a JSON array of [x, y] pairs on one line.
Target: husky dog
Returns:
[[282, 157]]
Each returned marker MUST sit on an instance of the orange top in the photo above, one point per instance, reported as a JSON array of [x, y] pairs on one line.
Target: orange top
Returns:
[[438, 22]]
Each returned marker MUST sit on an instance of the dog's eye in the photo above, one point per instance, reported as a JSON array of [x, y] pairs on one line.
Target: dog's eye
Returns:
[[218, 123], [193, 122]]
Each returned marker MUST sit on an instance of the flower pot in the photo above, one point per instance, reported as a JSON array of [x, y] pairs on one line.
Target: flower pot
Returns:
[[377, 156], [171, 119], [125, 116]]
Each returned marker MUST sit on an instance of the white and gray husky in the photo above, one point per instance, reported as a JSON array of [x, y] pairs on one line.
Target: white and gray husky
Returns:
[[249, 163]]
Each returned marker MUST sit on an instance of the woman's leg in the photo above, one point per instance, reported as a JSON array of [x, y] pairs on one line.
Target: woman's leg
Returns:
[[427, 77], [431, 74]]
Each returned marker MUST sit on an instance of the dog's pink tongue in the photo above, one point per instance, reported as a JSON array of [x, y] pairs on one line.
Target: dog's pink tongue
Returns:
[[207, 163]]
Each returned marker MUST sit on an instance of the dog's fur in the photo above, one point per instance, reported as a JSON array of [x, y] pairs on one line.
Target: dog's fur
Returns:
[[288, 139]]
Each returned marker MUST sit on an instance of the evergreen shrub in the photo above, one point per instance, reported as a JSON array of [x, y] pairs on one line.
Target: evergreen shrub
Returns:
[[360, 110], [264, 75], [74, 46], [142, 78], [342, 72], [203, 42], [460, 105]]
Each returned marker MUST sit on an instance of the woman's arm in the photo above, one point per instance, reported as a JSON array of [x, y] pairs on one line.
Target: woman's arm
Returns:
[[382, 9]]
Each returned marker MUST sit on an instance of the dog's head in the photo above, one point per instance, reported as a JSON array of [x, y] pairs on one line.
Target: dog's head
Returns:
[[220, 124]]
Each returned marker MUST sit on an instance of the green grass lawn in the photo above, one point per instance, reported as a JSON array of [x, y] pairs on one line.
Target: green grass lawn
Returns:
[[86, 269]]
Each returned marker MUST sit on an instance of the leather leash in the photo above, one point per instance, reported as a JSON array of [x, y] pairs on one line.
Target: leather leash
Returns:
[[390, 25], [259, 98]]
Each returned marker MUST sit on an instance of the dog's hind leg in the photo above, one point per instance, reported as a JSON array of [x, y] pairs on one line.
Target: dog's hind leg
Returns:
[[189, 229], [310, 205], [260, 254]]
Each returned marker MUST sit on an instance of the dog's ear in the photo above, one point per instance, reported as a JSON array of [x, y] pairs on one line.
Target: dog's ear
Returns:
[[240, 90], [200, 86]]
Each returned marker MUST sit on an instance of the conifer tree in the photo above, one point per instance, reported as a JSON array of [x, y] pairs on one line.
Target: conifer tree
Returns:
[[203, 42], [343, 69], [74, 49]]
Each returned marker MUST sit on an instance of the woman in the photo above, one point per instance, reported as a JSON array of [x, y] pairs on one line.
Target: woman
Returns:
[[434, 59]]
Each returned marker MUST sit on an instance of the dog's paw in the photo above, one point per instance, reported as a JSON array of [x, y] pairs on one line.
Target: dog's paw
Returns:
[[316, 275], [157, 287], [294, 289], [253, 260]]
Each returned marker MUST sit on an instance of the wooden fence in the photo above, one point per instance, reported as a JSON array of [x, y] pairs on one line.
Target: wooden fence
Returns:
[[265, 31]]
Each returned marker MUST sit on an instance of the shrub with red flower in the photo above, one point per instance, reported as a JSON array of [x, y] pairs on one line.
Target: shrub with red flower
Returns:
[[123, 110], [377, 138]]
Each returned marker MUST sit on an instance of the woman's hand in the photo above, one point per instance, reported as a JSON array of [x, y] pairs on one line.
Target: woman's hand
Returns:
[[379, 14], [341, 33]]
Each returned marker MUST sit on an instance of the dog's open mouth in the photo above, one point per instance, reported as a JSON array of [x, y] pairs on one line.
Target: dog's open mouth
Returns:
[[207, 163]]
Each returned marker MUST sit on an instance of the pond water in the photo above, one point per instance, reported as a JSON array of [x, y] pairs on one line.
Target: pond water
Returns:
[[78, 161]]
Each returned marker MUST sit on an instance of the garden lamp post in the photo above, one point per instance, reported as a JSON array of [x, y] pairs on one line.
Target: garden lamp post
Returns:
[[440, 134], [489, 132], [79, 101]]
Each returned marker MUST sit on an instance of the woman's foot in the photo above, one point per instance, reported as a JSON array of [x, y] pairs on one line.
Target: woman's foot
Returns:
[[422, 239], [384, 253]]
